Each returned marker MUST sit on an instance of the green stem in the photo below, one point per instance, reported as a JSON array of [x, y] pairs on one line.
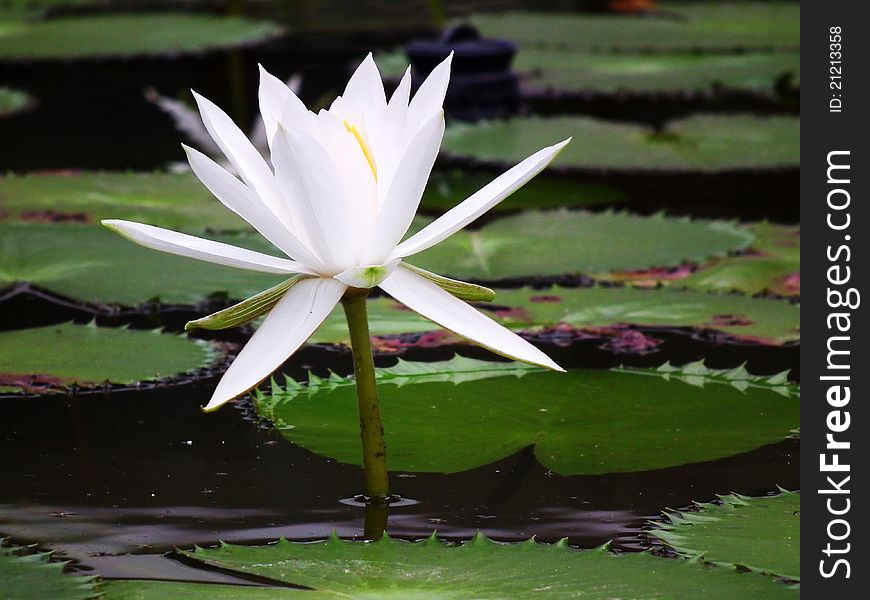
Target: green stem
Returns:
[[377, 487]]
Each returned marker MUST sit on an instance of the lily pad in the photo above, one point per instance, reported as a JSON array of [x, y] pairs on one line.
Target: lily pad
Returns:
[[176, 201], [479, 568], [531, 310], [761, 534], [549, 243], [13, 100], [90, 263], [773, 265], [587, 422], [566, 70], [124, 35], [702, 143], [51, 358], [180, 201], [28, 576], [711, 26]]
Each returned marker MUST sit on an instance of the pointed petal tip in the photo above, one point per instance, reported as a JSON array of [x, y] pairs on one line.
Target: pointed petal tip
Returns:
[[212, 406], [548, 363], [216, 401]]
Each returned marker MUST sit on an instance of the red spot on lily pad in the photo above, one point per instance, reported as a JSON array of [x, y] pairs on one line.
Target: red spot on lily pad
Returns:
[[515, 314], [51, 216], [730, 321], [629, 341], [790, 284], [651, 277], [545, 298], [32, 384]]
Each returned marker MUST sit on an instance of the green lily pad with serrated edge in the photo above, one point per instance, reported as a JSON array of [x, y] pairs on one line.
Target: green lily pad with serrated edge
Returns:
[[561, 242], [572, 71], [530, 310], [701, 143], [702, 26], [124, 35], [33, 576], [45, 359], [761, 534], [453, 416], [479, 568], [13, 100]]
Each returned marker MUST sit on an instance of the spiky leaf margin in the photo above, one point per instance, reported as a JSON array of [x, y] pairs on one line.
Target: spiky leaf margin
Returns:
[[25, 575], [680, 531]]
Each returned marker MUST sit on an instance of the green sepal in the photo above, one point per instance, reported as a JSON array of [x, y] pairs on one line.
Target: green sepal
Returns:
[[246, 310], [462, 290]]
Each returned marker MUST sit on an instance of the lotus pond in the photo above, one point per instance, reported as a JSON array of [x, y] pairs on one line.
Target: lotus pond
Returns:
[[657, 260]]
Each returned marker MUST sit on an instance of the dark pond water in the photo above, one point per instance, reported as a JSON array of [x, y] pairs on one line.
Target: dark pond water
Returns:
[[115, 481]]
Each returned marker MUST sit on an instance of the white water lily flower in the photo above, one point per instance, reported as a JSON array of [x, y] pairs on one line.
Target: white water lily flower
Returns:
[[338, 198]]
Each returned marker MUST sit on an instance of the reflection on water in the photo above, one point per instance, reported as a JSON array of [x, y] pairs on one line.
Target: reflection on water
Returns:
[[145, 472]]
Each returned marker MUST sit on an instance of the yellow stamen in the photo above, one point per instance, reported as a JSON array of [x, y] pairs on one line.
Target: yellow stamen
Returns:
[[365, 149]]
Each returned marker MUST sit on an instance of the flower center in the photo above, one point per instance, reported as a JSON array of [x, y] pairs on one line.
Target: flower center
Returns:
[[364, 147]]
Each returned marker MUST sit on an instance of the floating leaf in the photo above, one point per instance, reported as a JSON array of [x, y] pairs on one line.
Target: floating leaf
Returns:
[[714, 26], [13, 100], [697, 143], [479, 568], [567, 70], [151, 589], [90, 263], [35, 577], [180, 201], [108, 36], [531, 310], [561, 242], [761, 534], [176, 201], [773, 265], [584, 422], [50, 358], [572, 71]]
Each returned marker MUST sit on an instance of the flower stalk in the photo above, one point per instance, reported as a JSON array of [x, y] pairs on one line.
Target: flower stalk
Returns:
[[377, 486]]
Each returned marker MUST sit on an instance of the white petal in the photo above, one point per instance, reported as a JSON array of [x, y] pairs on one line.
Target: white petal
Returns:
[[364, 93], [312, 183], [388, 138], [405, 191], [432, 302], [478, 203], [358, 179], [367, 276], [236, 196], [278, 103], [190, 246], [296, 316], [429, 99], [246, 160]]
